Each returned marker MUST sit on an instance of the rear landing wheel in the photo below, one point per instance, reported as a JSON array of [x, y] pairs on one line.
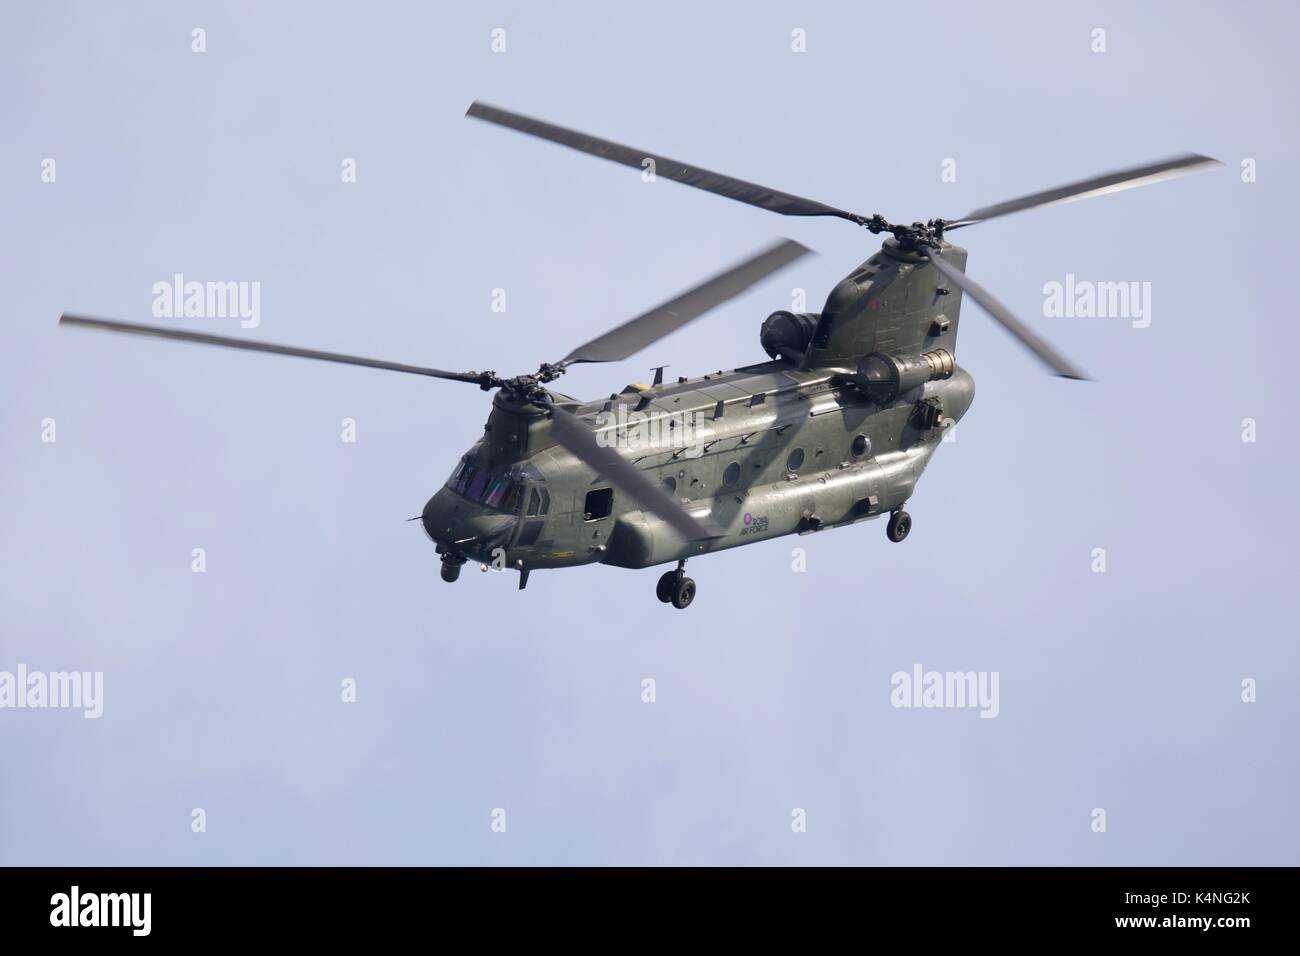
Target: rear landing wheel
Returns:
[[900, 523], [684, 594], [667, 583]]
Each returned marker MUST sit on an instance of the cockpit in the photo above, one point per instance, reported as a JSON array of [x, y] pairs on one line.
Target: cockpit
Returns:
[[500, 492]]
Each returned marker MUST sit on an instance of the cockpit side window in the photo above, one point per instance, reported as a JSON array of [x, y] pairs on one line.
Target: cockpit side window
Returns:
[[539, 502]]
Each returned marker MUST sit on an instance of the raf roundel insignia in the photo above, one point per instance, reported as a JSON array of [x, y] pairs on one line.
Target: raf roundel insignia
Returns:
[[748, 517]]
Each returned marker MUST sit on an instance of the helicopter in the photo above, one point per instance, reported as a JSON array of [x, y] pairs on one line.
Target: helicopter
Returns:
[[834, 429]]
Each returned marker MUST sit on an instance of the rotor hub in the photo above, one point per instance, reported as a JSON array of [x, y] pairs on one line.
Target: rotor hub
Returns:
[[911, 237]]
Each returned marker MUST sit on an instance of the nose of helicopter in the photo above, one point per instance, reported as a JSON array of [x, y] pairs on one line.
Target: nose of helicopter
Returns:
[[463, 527]]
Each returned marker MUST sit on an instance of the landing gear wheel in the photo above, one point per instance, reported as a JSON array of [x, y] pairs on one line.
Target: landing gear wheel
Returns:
[[684, 593], [451, 569], [664, 589], [900, 523]]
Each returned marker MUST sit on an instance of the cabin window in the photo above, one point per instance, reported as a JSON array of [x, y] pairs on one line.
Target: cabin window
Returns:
[[861, 446], [599, 504], [671, 484], [795, 461], [731, 475]]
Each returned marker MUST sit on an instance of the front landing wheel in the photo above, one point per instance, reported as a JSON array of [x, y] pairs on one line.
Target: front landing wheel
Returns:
[[684, 594], [451, 568], [667, 583]]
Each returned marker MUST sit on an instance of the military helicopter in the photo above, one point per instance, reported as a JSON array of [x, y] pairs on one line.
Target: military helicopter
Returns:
[[834, 429]]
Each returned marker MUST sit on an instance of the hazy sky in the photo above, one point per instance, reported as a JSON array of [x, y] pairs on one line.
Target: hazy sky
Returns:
[[1119, 690]]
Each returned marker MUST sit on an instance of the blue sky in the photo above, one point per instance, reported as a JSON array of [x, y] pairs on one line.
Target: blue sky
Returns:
[[1119, 691]]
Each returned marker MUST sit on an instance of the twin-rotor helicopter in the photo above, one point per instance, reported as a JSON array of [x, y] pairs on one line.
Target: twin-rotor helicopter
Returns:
[[834, 429]]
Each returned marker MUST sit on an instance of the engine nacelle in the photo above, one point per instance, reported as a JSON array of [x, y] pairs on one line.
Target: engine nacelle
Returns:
[[883, 377], [787, 334]]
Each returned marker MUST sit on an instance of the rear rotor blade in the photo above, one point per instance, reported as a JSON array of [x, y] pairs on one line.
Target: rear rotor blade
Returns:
[[1095, 186], [570, 432], [483, 379], [773, 200], [635, 334], [1004, 317]]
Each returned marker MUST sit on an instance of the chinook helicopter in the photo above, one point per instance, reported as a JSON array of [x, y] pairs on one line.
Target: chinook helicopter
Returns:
[[834, 429]]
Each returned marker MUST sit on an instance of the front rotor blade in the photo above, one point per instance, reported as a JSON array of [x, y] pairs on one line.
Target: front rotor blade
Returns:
[[1004, 317], [635, 334], [570, 432], [771, 199], [108, 325], [1096, 186]]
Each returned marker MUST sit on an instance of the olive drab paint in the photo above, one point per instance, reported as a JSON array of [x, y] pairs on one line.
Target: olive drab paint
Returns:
[[836, 427]]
